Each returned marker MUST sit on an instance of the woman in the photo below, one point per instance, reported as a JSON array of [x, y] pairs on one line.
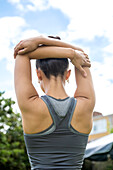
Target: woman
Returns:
[[56, 126]]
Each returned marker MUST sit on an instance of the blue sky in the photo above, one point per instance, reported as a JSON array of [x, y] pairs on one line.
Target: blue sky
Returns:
[[88, 24]]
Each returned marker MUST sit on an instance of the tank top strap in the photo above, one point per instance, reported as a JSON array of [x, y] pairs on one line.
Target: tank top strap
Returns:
[[60, 120], [70, 111], [51, 109]]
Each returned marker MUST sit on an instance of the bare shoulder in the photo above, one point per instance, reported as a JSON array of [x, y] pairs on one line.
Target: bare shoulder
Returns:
[[82, 116], [37, 117], [35, 105]]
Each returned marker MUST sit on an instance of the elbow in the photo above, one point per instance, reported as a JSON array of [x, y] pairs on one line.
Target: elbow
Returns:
[[93, 104], [93, 98], [92, 101]]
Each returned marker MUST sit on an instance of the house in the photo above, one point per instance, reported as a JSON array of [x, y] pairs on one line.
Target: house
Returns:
[[102, 125]]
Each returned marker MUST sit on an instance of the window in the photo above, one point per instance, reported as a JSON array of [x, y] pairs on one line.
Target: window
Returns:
[[99, 126]]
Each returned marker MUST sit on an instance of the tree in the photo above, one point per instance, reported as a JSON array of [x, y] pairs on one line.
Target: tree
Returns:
[[111, 130], [12, 147]]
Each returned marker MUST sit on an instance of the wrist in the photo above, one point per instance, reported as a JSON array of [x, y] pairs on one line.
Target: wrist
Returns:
[[39, 40], [72, 54], [48, 41]]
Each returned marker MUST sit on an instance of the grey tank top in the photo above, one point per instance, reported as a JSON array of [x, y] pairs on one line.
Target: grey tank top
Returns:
[[60, 146]]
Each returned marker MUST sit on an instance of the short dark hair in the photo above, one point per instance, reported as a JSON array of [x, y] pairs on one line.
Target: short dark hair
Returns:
[[53, 66]]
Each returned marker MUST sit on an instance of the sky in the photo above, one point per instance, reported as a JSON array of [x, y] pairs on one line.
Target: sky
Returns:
[[85, 23]]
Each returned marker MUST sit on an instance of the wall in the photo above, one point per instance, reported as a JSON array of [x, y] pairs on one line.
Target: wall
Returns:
[[101, 126]]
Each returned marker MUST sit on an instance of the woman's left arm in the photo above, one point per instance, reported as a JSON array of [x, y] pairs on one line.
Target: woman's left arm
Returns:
[[25, 91]]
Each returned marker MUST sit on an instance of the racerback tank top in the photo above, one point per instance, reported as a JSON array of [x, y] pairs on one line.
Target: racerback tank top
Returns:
[[60, 146]]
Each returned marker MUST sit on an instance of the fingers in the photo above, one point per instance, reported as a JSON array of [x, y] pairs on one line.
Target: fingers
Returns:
[[17, 48], [87, 61], [86, 56], [23, 51], [20, 52], [84, 74], [88, 64]]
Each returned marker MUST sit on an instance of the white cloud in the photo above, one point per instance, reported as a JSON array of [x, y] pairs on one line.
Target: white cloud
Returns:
[[14, 1], [29, 33], [11, 32], [109, 48], [87, 18], [10, 28], [30, 5], [37, 5], [103, 84], [18, 4]]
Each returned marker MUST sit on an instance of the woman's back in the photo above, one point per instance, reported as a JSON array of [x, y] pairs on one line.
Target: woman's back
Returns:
[[49, 124], [60, 146]]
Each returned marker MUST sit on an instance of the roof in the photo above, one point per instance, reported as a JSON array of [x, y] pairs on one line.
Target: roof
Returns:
[[97, 114]]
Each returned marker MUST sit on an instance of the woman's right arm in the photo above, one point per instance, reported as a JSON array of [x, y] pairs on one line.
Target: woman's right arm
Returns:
[[85, 96], [32, 44]]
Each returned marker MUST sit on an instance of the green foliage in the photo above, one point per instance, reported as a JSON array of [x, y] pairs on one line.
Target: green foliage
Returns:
[[12, 147], [111, 130]]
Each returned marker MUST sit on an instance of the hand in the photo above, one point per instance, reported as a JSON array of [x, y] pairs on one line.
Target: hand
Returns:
[[26, 46], [81, 60]]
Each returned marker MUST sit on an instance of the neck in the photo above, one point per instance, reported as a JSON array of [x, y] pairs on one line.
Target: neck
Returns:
[[55, 88]]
